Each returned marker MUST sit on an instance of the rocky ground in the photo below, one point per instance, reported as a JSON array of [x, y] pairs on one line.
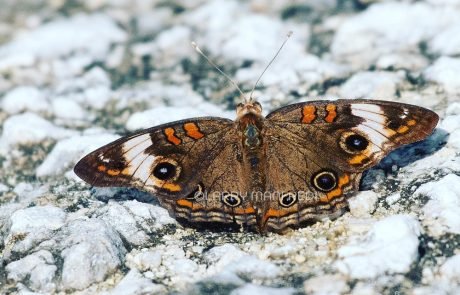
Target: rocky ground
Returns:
[[76, 74]]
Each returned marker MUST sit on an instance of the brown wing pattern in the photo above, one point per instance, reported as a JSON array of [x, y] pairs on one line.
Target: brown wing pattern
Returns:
[[158, 159], [329, 144], [199, 160]]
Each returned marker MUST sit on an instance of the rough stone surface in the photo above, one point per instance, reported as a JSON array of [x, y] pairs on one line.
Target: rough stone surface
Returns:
[[76, 75]]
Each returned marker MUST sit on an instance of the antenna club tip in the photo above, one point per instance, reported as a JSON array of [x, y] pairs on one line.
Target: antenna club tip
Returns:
[[289, 34]]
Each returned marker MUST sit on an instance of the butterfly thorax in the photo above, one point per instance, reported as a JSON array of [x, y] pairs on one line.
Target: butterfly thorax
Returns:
[[250, 126]]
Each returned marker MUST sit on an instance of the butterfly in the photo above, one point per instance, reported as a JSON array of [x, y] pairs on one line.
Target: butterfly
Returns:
[[298, 164]]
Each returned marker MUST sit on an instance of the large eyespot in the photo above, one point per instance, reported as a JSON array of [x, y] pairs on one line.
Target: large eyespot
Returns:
[[324, 180], [356, 142], [166, 170], [197, 194], [353, 143], [231, 199], [287, 199]]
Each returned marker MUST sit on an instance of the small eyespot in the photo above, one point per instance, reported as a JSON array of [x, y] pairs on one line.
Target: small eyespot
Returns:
[[287, 199], [166, 170], [356, 142], [231, 199], [197, 194], [324, 180]]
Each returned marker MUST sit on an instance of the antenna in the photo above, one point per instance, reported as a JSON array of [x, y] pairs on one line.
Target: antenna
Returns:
[[289, 34], [216, 67]]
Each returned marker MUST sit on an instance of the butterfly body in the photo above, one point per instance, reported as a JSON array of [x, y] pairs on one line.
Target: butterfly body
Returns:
[[296, 165]]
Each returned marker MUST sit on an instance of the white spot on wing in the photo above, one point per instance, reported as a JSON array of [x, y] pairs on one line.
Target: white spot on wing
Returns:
[[104, 159], [375, 137], [144, 170], [143, 139], [369, 116], [379, 128], [404, 114], [367, 107], [135, 146]]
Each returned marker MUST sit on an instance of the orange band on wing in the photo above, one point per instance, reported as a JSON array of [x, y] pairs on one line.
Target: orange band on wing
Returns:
[[358, 159], [171, 187], [308, 114], [241, 211], [192, 130], [403, 129], [189, 204], [337, 191], [113, 172], [331, 113], [171, 137], [277, 213], [411, 122]]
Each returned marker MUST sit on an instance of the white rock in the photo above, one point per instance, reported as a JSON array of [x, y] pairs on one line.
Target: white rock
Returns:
[[444, 2], [28, 192], [184, 267], [363, 204], [375, 85], [450, 270], [246, 34], [389, 27], [147, 216], [391, 246], [172, 45], [29, 128], [98, 96], [37, 268], [326, 285], [144, 260], [92, 251], [226, 260], [252, 289], [68, 151], [36, 218], [92, 34], [124, 223], [453, 109], [412, 62], [251, 266], [3, 188], [442, 212], [67, 109], [33, 225], [447, 42], [220, 256], [445, 72], [160, 115], [135, 284], [24, 98]]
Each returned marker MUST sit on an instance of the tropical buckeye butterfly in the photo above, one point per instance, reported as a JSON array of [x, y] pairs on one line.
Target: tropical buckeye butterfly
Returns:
[[298, 164]]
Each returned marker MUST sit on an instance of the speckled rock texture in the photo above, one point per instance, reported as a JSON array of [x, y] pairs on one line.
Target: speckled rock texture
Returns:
[[77, 74]]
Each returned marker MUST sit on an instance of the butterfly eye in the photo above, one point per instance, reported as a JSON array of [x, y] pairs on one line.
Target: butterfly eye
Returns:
[[231, 199], [167, 170], [287, 199], [324, 180]]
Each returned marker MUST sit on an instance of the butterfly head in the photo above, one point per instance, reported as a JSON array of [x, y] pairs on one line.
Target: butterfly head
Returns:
[[249, 107]]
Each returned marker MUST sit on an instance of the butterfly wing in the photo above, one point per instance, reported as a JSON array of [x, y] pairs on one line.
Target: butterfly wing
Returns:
[[318, 151], [186, 164]]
